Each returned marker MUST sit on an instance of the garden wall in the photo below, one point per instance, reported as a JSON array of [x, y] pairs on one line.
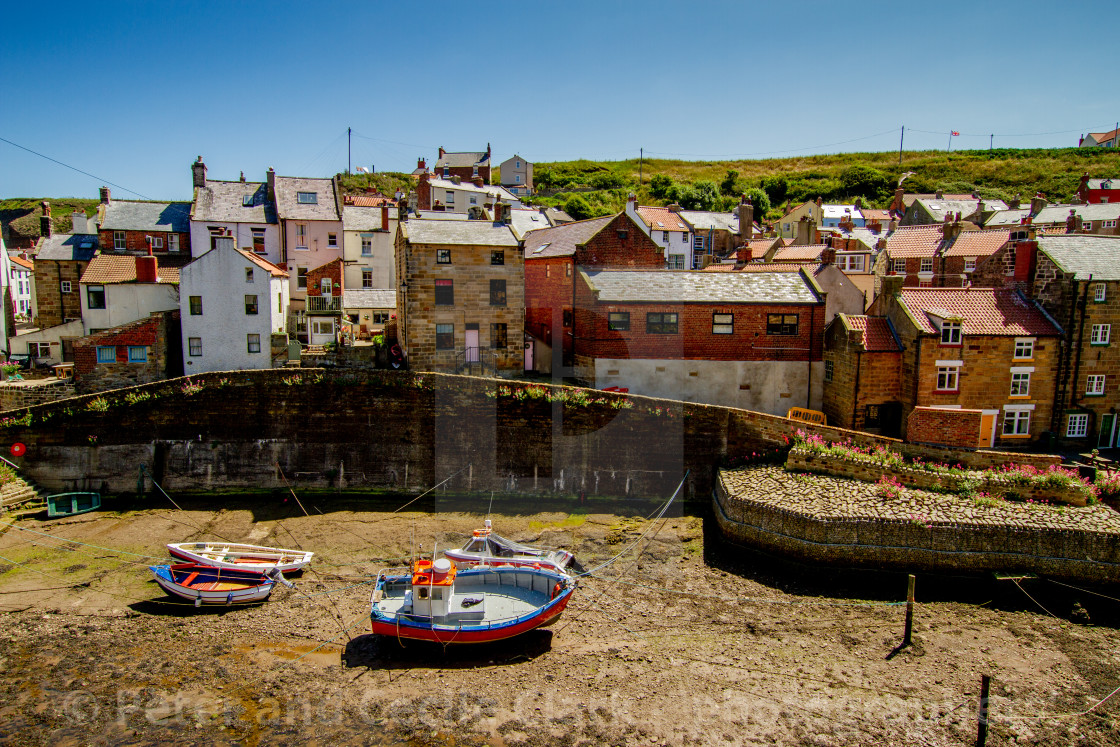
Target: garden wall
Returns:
[[379, 429]]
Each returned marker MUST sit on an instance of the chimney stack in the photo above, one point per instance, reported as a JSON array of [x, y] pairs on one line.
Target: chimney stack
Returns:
[[828, 256], [79, 223], [421, 164], [147, 269], [859, 204], [892, 285], [198, 172], [384, 217], [939, 195], [674, 208], [456, 179], [746, 218], [45, 227], [270, 177], [477, 180], [442, 152], [897, 205], [1015, 201], [1037, 203], [743, 254], [242, 177], [105, 196]]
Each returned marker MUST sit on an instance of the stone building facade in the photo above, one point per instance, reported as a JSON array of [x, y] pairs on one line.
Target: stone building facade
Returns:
[[862, 375], [461, 304], [141, 352]]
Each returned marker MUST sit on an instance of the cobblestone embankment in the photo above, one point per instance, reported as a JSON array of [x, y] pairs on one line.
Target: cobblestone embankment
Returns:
[[825, 519]]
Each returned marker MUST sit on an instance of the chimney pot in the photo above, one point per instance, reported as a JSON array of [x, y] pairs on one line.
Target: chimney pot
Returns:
[[105, 196], [198, 173]]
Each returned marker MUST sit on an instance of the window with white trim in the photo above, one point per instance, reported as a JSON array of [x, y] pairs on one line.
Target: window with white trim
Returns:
[[1108, 224], [898, 266], [118, 240], [948, 378], [1094, 384], [172, 242], [969, 264], [1020, 383], [1100, 334], [367, 245], [828, 368], [301, 236], [1099, 293], [1078, 425], [1024, 348], [850, 262], [1087, 225], [926, 265], [950, 333], [65, 286], [1016, 422], [723, 324]]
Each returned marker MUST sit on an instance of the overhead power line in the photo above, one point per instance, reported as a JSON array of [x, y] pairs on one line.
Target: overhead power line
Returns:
[[74, 168]]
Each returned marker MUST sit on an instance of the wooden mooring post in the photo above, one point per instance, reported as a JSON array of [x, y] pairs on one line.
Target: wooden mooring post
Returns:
[[908, 638], [982, 713]]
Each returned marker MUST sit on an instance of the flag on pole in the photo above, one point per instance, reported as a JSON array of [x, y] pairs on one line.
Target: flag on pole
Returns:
[[361, 169], [955, 134]]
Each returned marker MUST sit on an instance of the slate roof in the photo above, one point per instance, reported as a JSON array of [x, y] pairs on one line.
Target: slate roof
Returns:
[[107, 269], [841, 211], [68, 247], [707, 220], [288, 206], [561, 240], [261, 262], [983, 311], [364, 218], [1084, 254], [438, 215], [977, 243], [369, 298], [463, 160], [468, 186], [662, 219], [799, 253], [1098, 183], [914, 241], [685, 286], [876, 334], [524, 221], [1056, 214], [938, 209], [467, 232], [225, 202], [135, 215], [557, 216], [762, 267]]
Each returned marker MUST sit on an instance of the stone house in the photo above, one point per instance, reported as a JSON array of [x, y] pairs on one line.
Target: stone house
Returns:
[[551, 258], [241, 210], [718, 235], [60, 260], [751, 340], [988, 353], [136, 227], [139, 352], [1076, 278], [862, 374], [1100, 218], [516, 175], [972, 209], [461, 300], [234, 309], [116, 290], [466, 165], [471, 197]]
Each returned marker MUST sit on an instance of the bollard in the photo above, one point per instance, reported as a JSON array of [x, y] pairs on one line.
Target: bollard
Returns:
[[982, 714], [909, 611]]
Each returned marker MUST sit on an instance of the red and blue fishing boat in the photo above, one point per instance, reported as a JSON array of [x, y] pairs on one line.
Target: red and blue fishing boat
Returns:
[[205, 584], [436, 601]]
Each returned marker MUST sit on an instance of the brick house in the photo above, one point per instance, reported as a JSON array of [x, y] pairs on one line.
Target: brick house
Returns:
[[139, 352], [461, 301], [551, 257], [741, 339], [1098, 191], [135, 226], [943, 256], [862, 374], [1076, 278], [325, 285], [471, 197], [970, 209], [989, 353], [667, 229], [465, 165]]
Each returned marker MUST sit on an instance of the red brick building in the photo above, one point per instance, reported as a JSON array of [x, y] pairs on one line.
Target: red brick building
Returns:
[[748, 340], [324, 302], [140, 352], [1097, 191], [551, 257], [465, 165], [134, 227], [974, 349]]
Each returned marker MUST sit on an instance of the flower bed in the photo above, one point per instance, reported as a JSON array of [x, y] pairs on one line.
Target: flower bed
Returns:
[[1012, 481]]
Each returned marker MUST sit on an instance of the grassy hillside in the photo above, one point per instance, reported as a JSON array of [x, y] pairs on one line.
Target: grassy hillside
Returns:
[[385, 182], [20, 215], [603, 186]]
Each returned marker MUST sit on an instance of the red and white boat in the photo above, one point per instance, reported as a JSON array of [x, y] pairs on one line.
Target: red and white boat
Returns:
[[435, 601], [486, 548], [244, 557]]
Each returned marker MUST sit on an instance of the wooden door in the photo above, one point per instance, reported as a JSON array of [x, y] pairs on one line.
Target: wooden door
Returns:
[[987, 425]]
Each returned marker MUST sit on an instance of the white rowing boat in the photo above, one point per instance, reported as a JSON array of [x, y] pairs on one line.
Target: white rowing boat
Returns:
[[240, 557]]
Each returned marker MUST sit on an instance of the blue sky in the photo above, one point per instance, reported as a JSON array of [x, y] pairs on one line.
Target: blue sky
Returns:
[[133, 92]]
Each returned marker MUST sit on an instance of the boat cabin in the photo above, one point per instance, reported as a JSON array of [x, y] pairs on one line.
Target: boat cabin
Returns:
[[432, 586]]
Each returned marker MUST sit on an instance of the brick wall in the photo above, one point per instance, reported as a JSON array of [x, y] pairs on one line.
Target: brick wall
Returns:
[[137, 243], [931, 425], [332, 270], [548, 293], [15, 396], [151, 333], [621, 244]]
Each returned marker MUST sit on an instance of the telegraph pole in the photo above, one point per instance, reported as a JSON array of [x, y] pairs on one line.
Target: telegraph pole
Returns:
[[901, 138], [641, 160], [348, 150]]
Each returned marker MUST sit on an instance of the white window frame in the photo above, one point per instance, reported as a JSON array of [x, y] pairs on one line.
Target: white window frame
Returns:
[[367, 244], [1023, 344], [898, 266], [332, 239], [924, 263], [948, 376], [1094, 384], [1108, 223], [119, 240], [1019, 417], [970, 264], [65, 286], [1100, 334], [301, 236], [1100, 293], [259, 232], [157, 242], [1021, 382], [851, 262], [952, 327], [829, 367], [1077, 426], [1087, 225]]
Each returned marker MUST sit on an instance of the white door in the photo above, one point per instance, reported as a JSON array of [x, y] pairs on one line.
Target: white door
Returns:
[[322, 331], [472, 346], [529, 355]]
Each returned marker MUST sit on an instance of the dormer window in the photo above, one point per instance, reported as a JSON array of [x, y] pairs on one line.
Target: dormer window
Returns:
[[247, 201], [307, 198], [951, 333]]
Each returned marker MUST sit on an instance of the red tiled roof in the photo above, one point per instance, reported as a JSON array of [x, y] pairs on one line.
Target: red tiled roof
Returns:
[[801, 252], [368, 201], [914, 241], [977, 243], [983, 311], [263, 263], [121, 268], [761, 267], [668, 220], [870, 214], [26, 264], [875, 331]]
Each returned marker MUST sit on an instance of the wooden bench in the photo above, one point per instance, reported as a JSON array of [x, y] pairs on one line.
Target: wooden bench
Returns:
[[805, 415]]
